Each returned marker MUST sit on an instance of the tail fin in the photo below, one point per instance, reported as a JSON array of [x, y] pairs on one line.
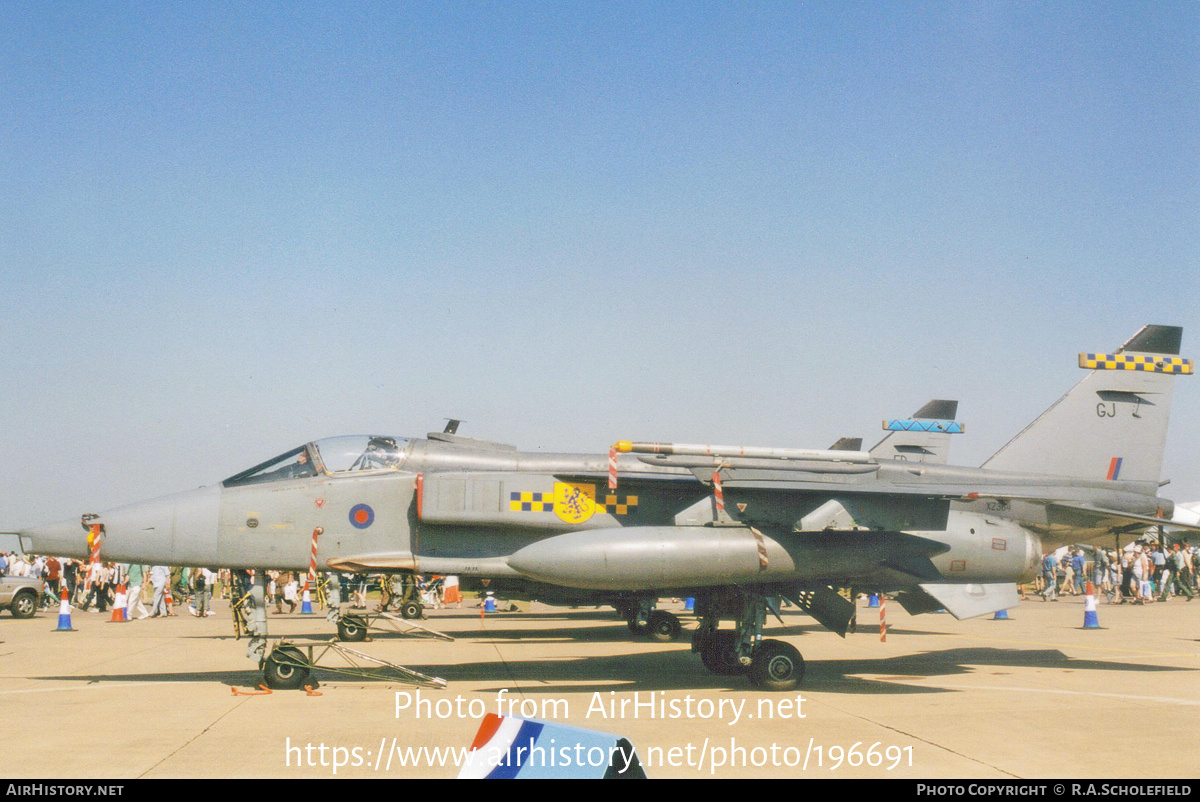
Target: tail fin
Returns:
[[924, 438], [1113, 424]]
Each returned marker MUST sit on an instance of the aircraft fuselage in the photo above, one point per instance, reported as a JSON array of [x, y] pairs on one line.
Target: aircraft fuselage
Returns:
[[454, 505]]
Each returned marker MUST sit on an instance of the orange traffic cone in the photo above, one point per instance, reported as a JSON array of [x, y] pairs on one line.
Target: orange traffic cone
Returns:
[[119, 602]]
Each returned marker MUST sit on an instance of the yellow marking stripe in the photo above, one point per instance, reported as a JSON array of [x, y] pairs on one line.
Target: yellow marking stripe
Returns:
[[544, 502], [531, 501], [612, 504], [1151, 364], [534, 506]]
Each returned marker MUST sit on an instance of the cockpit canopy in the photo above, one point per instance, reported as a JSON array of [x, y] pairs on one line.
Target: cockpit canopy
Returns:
[[331, 456]]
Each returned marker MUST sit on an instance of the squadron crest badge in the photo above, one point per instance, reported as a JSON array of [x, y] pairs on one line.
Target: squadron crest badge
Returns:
[[574, 503]]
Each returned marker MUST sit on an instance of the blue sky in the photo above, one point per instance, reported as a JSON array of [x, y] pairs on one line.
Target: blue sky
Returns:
[[225, 230]]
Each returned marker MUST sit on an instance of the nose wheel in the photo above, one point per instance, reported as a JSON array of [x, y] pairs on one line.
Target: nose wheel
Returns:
[[286, 669]]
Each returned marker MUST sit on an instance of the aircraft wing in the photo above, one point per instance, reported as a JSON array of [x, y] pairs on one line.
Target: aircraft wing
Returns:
[[1063, 522], [1114, 520], [766, 489]]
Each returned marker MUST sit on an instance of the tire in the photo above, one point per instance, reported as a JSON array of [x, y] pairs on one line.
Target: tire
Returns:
[[282, 672], [776, 666], [412, 609], [663, 627], [718, 654], [632, 622], [24, 604], [352, 628]]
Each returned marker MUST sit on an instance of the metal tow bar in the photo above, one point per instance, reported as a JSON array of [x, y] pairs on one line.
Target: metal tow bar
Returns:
[[354, 626], [288, 665]]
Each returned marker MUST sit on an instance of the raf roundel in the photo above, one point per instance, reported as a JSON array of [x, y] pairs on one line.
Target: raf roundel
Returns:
[[361, 516]]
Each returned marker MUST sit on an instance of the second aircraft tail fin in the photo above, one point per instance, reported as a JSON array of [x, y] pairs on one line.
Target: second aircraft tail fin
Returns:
[[925, 437]]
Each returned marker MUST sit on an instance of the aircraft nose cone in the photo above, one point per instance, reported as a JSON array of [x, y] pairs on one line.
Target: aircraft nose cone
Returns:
[[62, 539], [180, 529]]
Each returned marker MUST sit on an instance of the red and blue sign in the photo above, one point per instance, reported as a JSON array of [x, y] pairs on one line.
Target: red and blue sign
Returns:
[[361, 516], [507, 747], [1114, 468]]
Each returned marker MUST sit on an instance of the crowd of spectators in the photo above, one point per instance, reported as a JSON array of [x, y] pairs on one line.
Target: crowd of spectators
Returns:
[[97, 585], [1140, 573], [160, 590]]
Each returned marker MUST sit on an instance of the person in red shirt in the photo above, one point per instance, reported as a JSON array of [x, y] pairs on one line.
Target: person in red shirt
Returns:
[[53, 575]]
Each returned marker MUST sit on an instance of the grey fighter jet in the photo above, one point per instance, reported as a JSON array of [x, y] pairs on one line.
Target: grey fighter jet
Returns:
[[736, 527]]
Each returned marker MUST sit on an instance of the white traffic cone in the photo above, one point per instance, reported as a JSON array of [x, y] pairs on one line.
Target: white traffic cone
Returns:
[[64, 613], [1090, 621]]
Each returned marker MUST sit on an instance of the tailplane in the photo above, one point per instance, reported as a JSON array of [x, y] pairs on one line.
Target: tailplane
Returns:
[[1113, 424]]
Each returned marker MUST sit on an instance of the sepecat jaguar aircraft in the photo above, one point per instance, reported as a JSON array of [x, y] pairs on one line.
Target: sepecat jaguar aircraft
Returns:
[[738, 528]]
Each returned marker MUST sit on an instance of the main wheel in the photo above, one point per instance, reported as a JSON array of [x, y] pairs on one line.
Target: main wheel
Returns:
[[285, 669], [776, 666], [24, 605], [352, 628], [411, 609], [662, 626], [718, 654]]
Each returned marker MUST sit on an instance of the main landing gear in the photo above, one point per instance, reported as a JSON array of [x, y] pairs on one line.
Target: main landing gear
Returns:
[[770, 664], [657, 625]]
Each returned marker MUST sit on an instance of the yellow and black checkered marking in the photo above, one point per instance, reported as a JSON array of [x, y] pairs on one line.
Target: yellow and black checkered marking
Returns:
[[613, 505], [531, 502], [1149, 363]]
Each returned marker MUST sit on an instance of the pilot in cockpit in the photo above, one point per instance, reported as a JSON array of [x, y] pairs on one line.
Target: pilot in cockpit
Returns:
[[299, 469]]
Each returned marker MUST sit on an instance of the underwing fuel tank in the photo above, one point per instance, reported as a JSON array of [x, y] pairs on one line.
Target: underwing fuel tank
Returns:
[[661, 557]]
